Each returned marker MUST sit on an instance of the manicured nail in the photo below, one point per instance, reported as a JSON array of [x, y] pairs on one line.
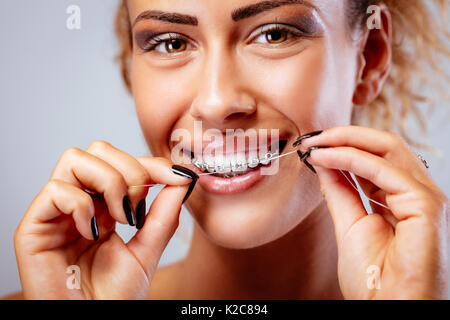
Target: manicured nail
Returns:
[[187, 173], [140, 214], [94, 228], [191, 187], [128, 211], [184, 172], [309, 165], [303, 158], [306, 136], [308, 153]]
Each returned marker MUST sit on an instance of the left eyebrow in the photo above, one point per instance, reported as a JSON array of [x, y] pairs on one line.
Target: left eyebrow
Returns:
[[254, 9], [167, 17]]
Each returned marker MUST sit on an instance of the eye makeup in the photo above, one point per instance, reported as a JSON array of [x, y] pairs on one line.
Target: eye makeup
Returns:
[[147, 40], [307, 23], [143, 36], [296, 25]]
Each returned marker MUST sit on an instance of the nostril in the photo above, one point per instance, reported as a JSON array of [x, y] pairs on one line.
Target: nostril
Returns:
[[236, 115]]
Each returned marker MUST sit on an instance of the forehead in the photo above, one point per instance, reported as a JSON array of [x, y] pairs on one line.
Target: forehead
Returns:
[[207, 12]]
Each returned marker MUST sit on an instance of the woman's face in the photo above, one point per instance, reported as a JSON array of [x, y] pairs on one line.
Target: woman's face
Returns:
[[297, 74]]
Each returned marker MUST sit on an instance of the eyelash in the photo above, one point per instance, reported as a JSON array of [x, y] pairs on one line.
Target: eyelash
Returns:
[[292, 31], [152, 43]]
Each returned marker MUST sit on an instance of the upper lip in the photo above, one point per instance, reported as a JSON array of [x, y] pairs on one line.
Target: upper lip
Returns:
[[221, 146]]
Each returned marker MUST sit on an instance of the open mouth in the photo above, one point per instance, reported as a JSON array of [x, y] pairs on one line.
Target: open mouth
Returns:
[[237, 164]]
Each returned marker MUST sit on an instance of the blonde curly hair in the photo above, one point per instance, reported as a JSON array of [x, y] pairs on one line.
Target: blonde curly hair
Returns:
[[420, 41]]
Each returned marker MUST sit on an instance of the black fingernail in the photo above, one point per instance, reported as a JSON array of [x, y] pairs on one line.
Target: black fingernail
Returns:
[[309, 165], [140, 214], [305, 136], [128, 211], [191, 187], [304, 156], [308, 153], [184, 172], [94, 228]]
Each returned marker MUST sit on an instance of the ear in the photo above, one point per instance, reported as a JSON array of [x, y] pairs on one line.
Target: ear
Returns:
[[375, 57]]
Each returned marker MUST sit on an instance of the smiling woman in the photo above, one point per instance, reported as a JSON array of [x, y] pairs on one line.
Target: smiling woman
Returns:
[[413, 25], [305, 71]]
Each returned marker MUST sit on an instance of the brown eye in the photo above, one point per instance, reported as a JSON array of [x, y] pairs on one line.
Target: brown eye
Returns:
[[175, 45], [276, 36]]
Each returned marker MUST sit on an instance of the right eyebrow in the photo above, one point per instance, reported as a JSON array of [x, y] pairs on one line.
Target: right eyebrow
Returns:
[[257, 8], [167, 17]]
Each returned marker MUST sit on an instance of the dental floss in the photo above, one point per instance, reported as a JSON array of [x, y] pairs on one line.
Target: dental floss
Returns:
[[276, 157], [356, 188], [351, 183]]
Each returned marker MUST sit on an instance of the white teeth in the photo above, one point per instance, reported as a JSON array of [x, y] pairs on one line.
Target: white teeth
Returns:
[[210, 167], [219, 164], [197, 163], [237, 164], [266, 159], [253, 163], [219, 168], [208, 164], [223, 166]]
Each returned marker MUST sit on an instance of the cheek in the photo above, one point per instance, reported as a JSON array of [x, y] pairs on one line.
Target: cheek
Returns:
[[159, 102], [309, 89]]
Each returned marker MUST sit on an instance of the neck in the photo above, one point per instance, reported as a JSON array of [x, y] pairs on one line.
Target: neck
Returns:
[[300, 265]]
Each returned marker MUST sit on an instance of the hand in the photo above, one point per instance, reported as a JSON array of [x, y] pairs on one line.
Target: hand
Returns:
[[407, 244], [58, 230]]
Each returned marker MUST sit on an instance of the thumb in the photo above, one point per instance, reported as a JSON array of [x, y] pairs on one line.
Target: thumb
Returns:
[[344, 202], [160, 224]]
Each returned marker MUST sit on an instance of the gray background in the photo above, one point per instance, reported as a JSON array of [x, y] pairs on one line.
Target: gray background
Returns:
[[61, 89]]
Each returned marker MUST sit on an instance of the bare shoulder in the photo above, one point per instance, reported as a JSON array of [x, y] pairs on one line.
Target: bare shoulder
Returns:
[[165, 282], [13, 296]]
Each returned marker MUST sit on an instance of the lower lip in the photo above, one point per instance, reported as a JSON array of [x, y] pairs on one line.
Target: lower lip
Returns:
[[232, 185]]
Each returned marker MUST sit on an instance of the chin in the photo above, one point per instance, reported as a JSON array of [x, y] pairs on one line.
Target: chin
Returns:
[[257, 216], [247, 199]]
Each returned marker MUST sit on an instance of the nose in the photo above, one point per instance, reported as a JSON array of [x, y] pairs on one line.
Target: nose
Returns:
[[221, 93]]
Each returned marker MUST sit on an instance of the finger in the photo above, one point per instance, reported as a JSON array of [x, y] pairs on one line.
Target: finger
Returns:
[[367, 186], [137, 173], [58, 198], [132, 171], [344, 202], [160, 224], [369, 139], [377, 200], [380, 197], [382, 143], [374, 193], [82, 170], [160, 171], [373, 168], [366, 165]]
